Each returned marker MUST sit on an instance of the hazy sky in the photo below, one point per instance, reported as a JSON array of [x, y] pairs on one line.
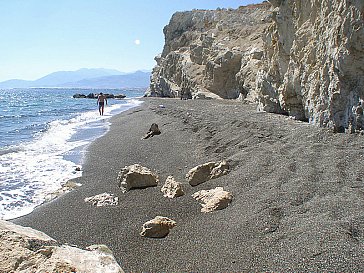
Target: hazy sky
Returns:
[[42, 36]]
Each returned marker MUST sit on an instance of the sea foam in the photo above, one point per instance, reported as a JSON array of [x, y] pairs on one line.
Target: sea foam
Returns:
[[32, 170]]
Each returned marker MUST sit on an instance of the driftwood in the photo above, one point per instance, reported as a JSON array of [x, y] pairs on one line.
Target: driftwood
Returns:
[[153, 130]]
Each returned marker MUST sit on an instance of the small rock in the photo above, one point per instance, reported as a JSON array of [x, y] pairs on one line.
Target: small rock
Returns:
[[214, 199], [136, 176], [207, 171], [102, 200], [172, 188], [158, 227], [153, 130], [79, 96], [66, 188]]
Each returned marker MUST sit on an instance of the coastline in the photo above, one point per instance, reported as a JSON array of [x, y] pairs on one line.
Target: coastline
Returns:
[[296, 194]]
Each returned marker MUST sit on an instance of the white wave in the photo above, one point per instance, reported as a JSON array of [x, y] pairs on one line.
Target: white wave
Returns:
[[33, 170]]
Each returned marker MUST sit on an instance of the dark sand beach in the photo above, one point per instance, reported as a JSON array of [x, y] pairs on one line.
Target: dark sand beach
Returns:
[[298, 193]]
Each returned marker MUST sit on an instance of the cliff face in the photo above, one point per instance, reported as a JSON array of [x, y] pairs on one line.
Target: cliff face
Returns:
[[205, 53], [304, 58], [314, 54]]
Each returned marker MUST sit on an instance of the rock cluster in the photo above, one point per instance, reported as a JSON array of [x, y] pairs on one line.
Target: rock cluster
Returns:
[[302, 58], [95, 96], [27, 250], [136, 176]]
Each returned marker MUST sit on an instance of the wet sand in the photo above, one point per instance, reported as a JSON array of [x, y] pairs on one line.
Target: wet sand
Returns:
[[298, 193]]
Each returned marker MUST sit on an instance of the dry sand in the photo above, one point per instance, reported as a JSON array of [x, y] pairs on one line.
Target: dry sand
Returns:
[[298, 193]]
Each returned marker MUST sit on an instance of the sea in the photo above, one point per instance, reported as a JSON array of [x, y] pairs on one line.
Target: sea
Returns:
[[44, 135]]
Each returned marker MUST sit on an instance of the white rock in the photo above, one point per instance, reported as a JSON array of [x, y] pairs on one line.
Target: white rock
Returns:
[[214, 199], [24, 249], [158, 227], [207, 171], [172, 188], [103, 199], [136, 176]]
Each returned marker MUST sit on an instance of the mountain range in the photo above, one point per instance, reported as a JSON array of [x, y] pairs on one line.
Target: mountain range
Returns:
[[85, 78]]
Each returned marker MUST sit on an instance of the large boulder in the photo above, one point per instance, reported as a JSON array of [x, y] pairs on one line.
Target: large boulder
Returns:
[[207, 171], [24, 249], [214, 199], [158, 227], [172, 188], [136, 176]]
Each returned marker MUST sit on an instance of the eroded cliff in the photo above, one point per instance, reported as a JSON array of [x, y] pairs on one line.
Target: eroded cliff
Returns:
[[206, 53], [300, 58], [314, 54]]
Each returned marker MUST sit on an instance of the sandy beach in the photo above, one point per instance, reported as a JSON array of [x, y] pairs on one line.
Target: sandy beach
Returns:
[[298, 192]]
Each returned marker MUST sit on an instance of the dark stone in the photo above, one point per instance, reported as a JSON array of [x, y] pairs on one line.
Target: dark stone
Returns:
[[119, 96], [91, 96], [79, 96], [153, 130], [109, 96]]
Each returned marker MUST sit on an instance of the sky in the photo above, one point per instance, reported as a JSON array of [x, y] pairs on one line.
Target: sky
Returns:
[[39, 37]]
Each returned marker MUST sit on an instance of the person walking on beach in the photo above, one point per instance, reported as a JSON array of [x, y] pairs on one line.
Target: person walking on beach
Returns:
[[101, 100]]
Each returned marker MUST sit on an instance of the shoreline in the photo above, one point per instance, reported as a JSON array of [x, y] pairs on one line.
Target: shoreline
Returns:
[[288, 179], [90, 126]]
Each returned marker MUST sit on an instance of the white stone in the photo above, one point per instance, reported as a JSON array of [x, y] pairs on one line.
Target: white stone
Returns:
[[103, 199], [172, 188], [207, 171], [136, 176], [158, 227], [214, 199]]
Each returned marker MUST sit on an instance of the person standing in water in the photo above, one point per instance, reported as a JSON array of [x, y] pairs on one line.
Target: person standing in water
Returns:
[[101, 100]]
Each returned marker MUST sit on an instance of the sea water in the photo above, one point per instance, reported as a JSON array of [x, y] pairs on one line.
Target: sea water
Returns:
[[44, 134]]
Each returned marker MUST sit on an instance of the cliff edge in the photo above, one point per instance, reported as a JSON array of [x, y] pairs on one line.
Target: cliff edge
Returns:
[[300, 58]]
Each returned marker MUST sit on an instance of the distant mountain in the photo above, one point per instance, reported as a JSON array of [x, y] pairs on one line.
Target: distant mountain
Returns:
[[61, 77], [85, 77], [15, 84], [136, 79]]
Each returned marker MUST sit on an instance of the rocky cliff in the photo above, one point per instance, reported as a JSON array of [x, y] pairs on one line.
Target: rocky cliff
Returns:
[[295, 57], [206, 53], [314, 53]]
